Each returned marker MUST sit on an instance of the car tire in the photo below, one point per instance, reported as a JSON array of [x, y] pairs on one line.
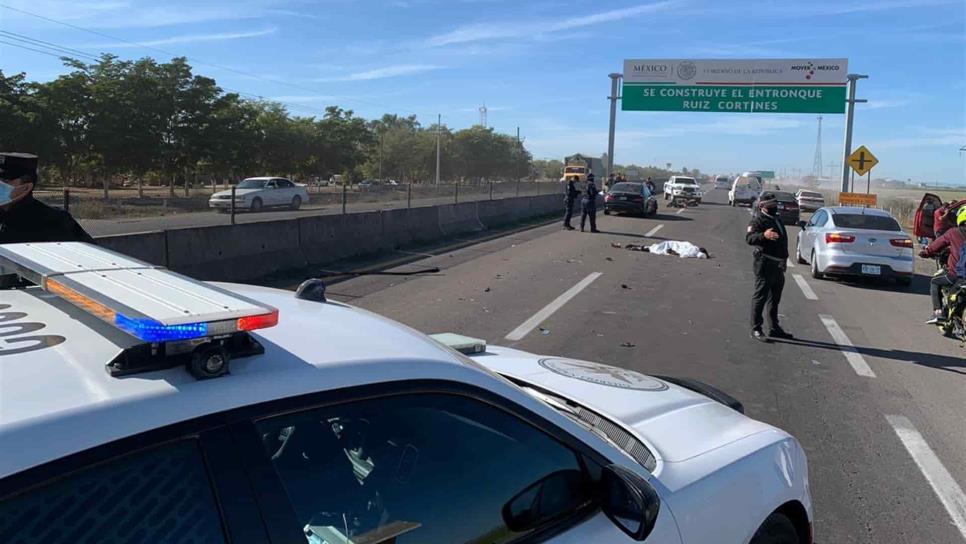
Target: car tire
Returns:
[[798, 254], [296, 202], [815, 271], [606, 211], [776, 529], [256, 205]]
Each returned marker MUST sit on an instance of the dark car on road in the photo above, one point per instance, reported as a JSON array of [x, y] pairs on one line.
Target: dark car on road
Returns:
[[788, 210], [630, 197]]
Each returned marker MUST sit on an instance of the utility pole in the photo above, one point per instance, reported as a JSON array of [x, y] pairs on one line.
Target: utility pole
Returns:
[[817, 161], [439, 121], [382, 139], [614, 81], [853, 78], [518, 144]]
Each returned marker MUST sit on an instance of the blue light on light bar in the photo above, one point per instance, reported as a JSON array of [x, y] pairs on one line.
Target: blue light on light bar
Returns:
[[150, 330]]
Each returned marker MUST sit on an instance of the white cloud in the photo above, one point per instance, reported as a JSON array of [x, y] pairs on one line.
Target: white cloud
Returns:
[[385, 72], [952, 137], [504, 29], [187, 38], [874, 104]]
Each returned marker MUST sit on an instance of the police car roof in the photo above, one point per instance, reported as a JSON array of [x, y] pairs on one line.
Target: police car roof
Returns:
[[57, 397]]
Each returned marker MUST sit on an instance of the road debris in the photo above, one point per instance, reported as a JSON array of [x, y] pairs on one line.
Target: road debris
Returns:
[[487, 290], [544, 331], [627, 345], [685, 250], [625, 286]]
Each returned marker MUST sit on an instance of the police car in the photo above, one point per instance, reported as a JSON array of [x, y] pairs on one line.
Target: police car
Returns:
[[137, 405]]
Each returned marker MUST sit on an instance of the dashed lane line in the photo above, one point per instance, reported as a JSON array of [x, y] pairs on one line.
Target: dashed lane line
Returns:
[[548, 310], [805, 287], [679, 212], [654, 230], [846, 347]]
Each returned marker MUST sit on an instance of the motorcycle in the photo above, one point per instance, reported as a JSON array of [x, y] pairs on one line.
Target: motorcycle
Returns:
[[954, 304]]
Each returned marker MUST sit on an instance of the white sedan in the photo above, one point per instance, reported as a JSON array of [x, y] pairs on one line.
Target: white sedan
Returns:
[[856, 242], [361, 431], [254, 194]]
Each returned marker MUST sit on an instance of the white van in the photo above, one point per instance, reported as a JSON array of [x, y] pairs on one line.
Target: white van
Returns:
[[745, 189]]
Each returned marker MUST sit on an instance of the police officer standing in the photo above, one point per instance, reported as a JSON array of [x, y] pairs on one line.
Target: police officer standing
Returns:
[[570, 198], [26, 219], [589, 205], [767, 233]]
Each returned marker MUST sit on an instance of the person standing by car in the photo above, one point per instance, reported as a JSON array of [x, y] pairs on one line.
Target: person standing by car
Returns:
[[767, 233], [610, 181], [26, 219], [570, 198], [589, 205], [650, 185], [951, 242]]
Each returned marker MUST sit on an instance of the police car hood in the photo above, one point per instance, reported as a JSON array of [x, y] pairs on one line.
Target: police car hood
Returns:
[[676, 423]]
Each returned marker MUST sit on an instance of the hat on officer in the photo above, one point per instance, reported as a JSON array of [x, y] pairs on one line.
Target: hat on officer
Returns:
[[17, 165], [590, 176], [767, 198]]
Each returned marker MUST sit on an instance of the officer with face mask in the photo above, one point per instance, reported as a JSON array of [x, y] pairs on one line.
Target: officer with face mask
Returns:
[[770, 239]]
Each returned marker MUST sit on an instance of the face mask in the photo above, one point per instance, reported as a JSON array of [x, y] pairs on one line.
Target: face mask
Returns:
[[770, 210], [5, 191]]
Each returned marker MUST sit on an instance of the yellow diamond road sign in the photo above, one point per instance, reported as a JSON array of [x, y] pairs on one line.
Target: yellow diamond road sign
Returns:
[[862, 160]]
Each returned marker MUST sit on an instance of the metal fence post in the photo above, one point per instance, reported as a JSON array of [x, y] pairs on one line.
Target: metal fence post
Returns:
[[343, 197], [456, 193], [409, 195], [518, 186], [66, 199], [232, 205], [491, 190]]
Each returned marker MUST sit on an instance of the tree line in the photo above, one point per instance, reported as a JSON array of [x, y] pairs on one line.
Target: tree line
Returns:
[[145, 122]]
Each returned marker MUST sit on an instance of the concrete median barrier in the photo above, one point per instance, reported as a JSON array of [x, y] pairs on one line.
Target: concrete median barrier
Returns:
[[459, 218], [235, 252], [328, 238], [146, 246]]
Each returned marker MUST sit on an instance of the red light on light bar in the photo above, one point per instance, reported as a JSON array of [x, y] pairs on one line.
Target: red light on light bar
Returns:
[[253, 322]]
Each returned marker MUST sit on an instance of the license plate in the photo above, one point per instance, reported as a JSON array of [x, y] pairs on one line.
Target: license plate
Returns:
[[871, 269], [623, 198]]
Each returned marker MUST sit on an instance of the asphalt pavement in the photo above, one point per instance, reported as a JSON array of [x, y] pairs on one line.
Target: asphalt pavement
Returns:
[[875, 396]]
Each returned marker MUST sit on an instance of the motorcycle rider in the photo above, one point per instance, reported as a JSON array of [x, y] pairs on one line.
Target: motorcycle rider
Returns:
[[952, 241]]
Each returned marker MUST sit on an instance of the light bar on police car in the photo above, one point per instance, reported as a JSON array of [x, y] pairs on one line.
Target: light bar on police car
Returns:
[[148, 302]]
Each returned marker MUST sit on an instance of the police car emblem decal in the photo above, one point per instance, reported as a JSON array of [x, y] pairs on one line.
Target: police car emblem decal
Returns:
[[11, 344], [611, 376]]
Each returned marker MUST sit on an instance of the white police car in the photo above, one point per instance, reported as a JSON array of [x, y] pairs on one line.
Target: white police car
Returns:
[[339, 426]]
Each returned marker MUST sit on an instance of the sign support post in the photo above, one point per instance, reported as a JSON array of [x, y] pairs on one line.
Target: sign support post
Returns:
[[614, 80], [848, 127]]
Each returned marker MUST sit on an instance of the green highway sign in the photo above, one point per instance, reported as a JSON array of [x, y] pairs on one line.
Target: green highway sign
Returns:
[[753, 86], [766, 174]]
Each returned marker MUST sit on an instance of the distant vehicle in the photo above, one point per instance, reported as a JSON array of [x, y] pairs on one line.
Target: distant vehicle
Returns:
[[392, 182], [628, 197], [788, 211], [849, 241], [321, 182], [336, 179], [683, 188], [254, 194], [214, 413], [722, 182], [580, 165], [924, 224], [370, 184], [745, 189], [809, 201]]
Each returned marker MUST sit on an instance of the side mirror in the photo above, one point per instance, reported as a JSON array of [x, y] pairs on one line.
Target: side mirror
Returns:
[[802, 225], [556, 494], [629, 501]]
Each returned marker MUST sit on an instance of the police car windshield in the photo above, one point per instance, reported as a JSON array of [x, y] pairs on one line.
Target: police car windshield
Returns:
[[252, 184]]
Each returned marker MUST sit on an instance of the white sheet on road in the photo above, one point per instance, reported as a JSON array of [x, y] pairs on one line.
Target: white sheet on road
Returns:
[[686, 250]]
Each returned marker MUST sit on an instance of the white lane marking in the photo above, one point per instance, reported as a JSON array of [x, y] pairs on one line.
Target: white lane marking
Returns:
[[846, 347], [805, 287], [654, 230], [942, 482], [548, 310], [680, 211], [791, 263]]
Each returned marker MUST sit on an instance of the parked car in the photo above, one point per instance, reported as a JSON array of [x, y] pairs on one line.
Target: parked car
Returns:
[[683, 187], [745, 189], [924, 227], [362, 431], [788, 210], [857, 242], [809, 201], [254, 194], [368, 184], [629, 197], [722, 182]]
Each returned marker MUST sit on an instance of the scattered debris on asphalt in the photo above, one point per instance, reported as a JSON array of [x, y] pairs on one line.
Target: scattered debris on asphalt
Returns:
[[487, 290], [624, 286], [544, 331], [627, 345], [609, 258]]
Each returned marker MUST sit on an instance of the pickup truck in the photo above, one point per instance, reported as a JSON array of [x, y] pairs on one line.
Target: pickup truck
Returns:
[[683, 189]]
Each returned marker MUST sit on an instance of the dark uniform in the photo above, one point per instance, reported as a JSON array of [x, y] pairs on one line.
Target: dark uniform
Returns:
[[769, 267], [28, 219], [570, 198], [589, 205]]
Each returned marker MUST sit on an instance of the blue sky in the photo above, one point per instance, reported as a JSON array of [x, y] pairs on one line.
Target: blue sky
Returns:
[[543, 65]]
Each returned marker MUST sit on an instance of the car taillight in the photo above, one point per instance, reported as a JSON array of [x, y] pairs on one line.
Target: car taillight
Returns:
[[608, 198], [838, 237], [901, 242]]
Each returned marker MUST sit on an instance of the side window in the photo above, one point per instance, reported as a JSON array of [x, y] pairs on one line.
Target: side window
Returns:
[[818, 219], [284, 183], [271, 185], [422, 468], [159, 495]]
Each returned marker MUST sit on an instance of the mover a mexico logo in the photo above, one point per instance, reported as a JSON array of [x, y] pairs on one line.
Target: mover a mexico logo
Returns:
[[810, 68], [653, 70]]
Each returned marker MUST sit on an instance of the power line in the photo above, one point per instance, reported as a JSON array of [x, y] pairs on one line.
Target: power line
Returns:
[[195, 60], [42, 52], [49, 45]]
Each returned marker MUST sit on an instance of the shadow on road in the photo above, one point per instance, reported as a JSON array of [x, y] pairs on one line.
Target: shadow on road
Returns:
[[920, 284], [932, 360], [672, 217], [627, 234]]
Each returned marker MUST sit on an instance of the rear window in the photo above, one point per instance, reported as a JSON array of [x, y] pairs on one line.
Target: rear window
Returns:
[[869, 222], [785, 197], [574, 170], [627, 188]]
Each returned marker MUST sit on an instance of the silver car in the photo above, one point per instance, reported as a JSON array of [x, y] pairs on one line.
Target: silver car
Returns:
[[809, 201], [857, 242]]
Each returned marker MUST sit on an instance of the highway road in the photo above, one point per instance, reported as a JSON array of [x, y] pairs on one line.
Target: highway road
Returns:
[[875, 396]]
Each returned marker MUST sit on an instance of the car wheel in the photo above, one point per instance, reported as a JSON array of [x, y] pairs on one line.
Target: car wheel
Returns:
[[256, 205], [296, 202], [798, 254], [777, 529], [606, 211], [815, 271]]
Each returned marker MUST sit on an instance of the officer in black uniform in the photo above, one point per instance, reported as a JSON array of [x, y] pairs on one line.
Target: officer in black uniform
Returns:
[[589, 205], [26, 219], [570, 198], [767, 233]]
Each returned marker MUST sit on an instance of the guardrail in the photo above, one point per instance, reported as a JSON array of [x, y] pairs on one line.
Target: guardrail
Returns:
[[248, 251]]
